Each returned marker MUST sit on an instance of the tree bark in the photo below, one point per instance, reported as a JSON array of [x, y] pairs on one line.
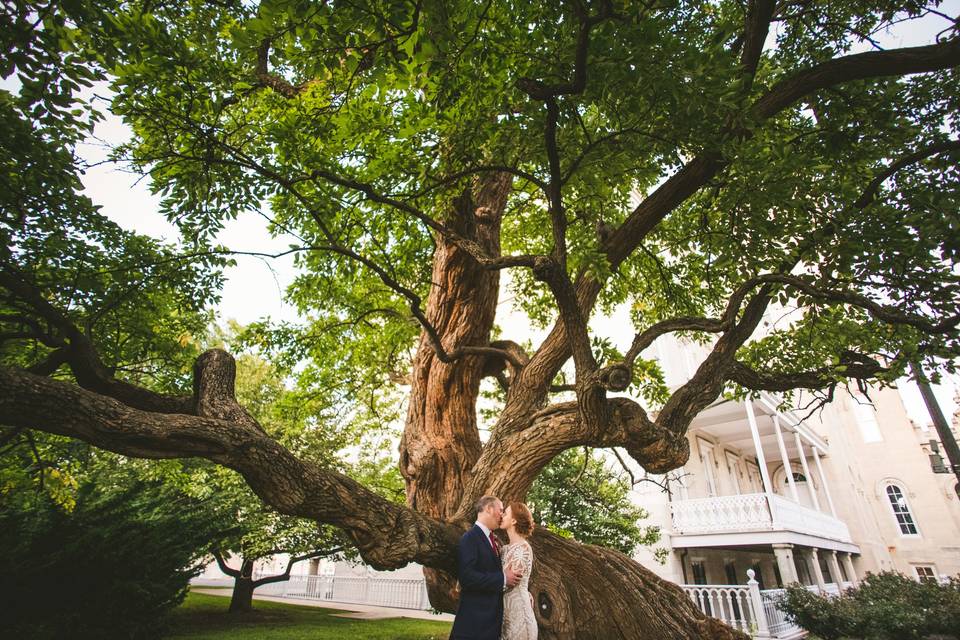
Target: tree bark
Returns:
[[441, 442], [593, 593], [581, 591], [241, 601]]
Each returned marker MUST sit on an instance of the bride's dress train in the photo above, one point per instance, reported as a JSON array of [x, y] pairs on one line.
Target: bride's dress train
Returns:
[[519, 622]]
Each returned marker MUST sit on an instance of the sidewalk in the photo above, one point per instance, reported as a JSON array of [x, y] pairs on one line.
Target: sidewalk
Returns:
[[359, 611]]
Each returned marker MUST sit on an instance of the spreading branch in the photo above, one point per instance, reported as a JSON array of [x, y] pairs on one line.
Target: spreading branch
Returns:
[[387, 535], [870, 193], [79, 353], [850, 365]]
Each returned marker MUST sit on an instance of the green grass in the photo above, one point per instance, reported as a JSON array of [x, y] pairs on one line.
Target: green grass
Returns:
[[204, 617]]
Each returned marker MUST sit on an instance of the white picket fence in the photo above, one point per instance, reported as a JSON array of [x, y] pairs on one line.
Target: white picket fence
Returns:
[[399, 593]]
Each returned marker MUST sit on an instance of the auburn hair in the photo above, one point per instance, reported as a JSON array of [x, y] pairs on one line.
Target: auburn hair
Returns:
[[524, 518]]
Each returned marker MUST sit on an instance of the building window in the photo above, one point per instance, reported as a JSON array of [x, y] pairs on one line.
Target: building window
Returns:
[[699, 571], [866, 416], [901, 511], [925, 572]]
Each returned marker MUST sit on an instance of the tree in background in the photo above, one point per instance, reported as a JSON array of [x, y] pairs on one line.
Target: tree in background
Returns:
[[579, 497], [699, 164], [257, 531]]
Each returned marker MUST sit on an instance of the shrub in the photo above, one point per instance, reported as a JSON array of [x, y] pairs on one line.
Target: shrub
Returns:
[[829, 618], [111, 567], [887, 606]]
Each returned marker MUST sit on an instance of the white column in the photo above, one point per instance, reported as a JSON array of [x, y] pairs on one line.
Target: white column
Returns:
[[817, 573], [787, 469], [851, 572], [806, 472], [835, 569], [823, 480], [761, 461], [784, 556]]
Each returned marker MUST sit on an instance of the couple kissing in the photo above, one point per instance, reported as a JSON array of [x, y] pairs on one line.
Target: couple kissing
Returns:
[[495, 603]]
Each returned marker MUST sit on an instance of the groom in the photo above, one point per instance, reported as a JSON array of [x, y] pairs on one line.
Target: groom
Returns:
[[482, 581]]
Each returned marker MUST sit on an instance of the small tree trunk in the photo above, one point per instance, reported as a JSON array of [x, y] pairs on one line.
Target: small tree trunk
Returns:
[[242, 599]]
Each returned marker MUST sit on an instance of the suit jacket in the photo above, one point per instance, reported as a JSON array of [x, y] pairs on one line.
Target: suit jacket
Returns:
[[480, 614]]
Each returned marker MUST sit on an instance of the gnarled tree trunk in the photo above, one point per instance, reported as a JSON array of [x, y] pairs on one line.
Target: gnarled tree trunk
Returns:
[[581, 591]]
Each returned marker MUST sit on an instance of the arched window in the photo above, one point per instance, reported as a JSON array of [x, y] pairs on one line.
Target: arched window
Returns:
[[797, 477], [901, 511]]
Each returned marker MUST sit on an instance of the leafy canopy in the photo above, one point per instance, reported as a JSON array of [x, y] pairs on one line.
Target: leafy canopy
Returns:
[[347, 121]]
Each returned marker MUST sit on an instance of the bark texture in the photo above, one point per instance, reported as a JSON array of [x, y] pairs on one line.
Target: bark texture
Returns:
[[446, 468], [592, 593], [241, 600], [440, 442]]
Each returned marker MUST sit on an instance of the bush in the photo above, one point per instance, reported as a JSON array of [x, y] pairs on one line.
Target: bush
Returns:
[[111, 567], [825, 617], [887, 606]]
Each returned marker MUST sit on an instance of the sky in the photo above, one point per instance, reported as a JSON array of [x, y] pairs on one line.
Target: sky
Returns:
[[255, 287]]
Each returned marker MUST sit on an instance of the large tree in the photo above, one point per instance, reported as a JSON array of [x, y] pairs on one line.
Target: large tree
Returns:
[[700, 162]]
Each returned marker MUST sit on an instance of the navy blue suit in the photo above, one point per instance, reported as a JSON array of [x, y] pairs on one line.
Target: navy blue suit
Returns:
[[480, 614]]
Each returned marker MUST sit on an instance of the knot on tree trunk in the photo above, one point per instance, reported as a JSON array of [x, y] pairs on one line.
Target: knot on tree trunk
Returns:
[[654, 447], [616, 377], [545, 269], [214, 376]]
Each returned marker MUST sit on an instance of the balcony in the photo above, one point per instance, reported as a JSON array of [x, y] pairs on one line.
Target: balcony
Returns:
[[755, 518]]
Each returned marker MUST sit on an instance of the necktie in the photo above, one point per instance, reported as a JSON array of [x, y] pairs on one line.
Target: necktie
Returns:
[[494, 544]]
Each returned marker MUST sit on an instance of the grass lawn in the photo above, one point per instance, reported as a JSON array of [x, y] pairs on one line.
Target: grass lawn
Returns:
[[203, 617]]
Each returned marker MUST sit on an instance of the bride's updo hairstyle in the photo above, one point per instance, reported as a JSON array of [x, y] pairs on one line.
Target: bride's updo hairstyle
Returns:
[[523, 517]]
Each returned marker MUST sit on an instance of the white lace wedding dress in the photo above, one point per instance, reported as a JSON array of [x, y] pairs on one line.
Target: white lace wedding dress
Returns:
[[519, 622]]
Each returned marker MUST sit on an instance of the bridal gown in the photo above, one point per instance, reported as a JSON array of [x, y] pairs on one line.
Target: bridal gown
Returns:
[[519, 622]]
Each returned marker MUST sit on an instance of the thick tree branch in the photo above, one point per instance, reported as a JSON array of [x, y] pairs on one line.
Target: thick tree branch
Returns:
[[283, 577], [697, 172], [386, 534], [222, 563], [756, 26], [524, 453], [851, 365], [860, 66], [81, 355], [272, 80]]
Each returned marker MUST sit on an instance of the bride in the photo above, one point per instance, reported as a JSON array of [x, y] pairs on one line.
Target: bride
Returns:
[[519, 622]]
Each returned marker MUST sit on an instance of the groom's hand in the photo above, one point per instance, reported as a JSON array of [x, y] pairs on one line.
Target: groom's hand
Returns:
[[512, 578]]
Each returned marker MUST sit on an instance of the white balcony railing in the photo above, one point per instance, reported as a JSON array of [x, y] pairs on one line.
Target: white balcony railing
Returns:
[[753, 512]]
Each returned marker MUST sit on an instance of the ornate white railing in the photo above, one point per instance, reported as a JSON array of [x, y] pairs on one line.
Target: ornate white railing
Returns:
[[740, 606], [726, 513], [747, 608], [787, 514], [776, 619], [381, 592], [753, 512], [730, 603]]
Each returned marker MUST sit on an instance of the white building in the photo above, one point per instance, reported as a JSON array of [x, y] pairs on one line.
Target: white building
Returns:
[[819, 499], [861, 495]]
